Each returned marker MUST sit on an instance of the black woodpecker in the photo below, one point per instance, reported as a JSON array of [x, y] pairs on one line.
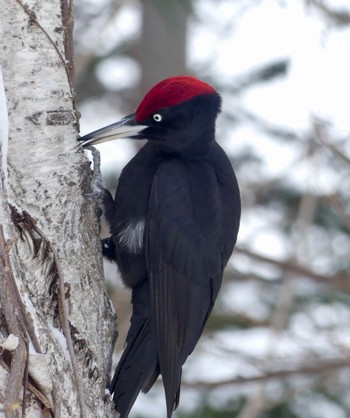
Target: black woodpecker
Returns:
[[173, 223]]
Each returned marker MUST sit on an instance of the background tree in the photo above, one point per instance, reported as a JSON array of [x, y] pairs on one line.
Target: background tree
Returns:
[[56, 322]]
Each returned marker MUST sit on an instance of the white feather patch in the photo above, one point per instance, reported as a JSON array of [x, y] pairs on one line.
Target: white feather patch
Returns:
[[131, 236]]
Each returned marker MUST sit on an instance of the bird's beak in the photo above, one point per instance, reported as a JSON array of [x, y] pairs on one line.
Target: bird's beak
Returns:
[[125, 128]]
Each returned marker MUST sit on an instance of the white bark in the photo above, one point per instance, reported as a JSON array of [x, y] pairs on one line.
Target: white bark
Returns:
[[4, 127], [52, 234]]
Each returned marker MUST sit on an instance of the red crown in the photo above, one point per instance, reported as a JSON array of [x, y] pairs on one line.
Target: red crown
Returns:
[[171, 92]]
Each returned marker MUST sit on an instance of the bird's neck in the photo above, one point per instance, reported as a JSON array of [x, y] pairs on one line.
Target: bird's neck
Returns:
[[196, 150]]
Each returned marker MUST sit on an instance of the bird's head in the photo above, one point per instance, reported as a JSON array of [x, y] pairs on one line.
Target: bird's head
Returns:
[[178, 113]]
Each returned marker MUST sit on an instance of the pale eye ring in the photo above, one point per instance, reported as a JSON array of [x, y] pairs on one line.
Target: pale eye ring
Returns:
[[157, 117]]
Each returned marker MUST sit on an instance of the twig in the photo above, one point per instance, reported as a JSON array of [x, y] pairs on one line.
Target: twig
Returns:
[[306, 369], [39, 395], [25, 382], [12, 316], [342, 282], [11, 301], [321, 134], [68, 26], [341, 17]]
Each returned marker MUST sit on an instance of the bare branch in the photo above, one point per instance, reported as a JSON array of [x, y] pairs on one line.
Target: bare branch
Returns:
[[341, 282], [320, 131], [310, 368], [340, 17]]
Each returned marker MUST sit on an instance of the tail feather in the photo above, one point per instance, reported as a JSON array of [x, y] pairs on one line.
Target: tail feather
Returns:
[[138, 367]]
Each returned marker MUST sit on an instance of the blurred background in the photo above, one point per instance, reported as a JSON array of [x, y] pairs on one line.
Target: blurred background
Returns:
[[278, 342]]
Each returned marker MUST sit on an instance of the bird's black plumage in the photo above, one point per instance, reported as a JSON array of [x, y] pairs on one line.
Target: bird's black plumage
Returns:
[[173, 224]]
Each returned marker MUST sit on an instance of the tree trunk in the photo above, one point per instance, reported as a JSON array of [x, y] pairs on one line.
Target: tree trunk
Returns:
[[52, 292], [162, 47]]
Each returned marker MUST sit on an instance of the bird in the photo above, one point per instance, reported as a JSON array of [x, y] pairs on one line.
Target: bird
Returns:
[[173, 222]]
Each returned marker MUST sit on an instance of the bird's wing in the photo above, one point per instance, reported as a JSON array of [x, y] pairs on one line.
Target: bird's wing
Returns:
[[184, 263]]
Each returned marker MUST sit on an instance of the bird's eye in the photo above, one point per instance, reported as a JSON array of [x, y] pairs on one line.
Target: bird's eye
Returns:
[[157, 117]]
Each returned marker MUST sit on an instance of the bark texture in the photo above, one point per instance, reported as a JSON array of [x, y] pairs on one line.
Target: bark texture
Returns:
[[51, 273]]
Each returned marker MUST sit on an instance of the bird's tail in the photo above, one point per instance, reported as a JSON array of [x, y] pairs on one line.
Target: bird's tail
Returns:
[[138, 367]]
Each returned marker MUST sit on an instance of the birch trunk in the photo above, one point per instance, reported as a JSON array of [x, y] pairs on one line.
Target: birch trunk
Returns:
[[52, 292]]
